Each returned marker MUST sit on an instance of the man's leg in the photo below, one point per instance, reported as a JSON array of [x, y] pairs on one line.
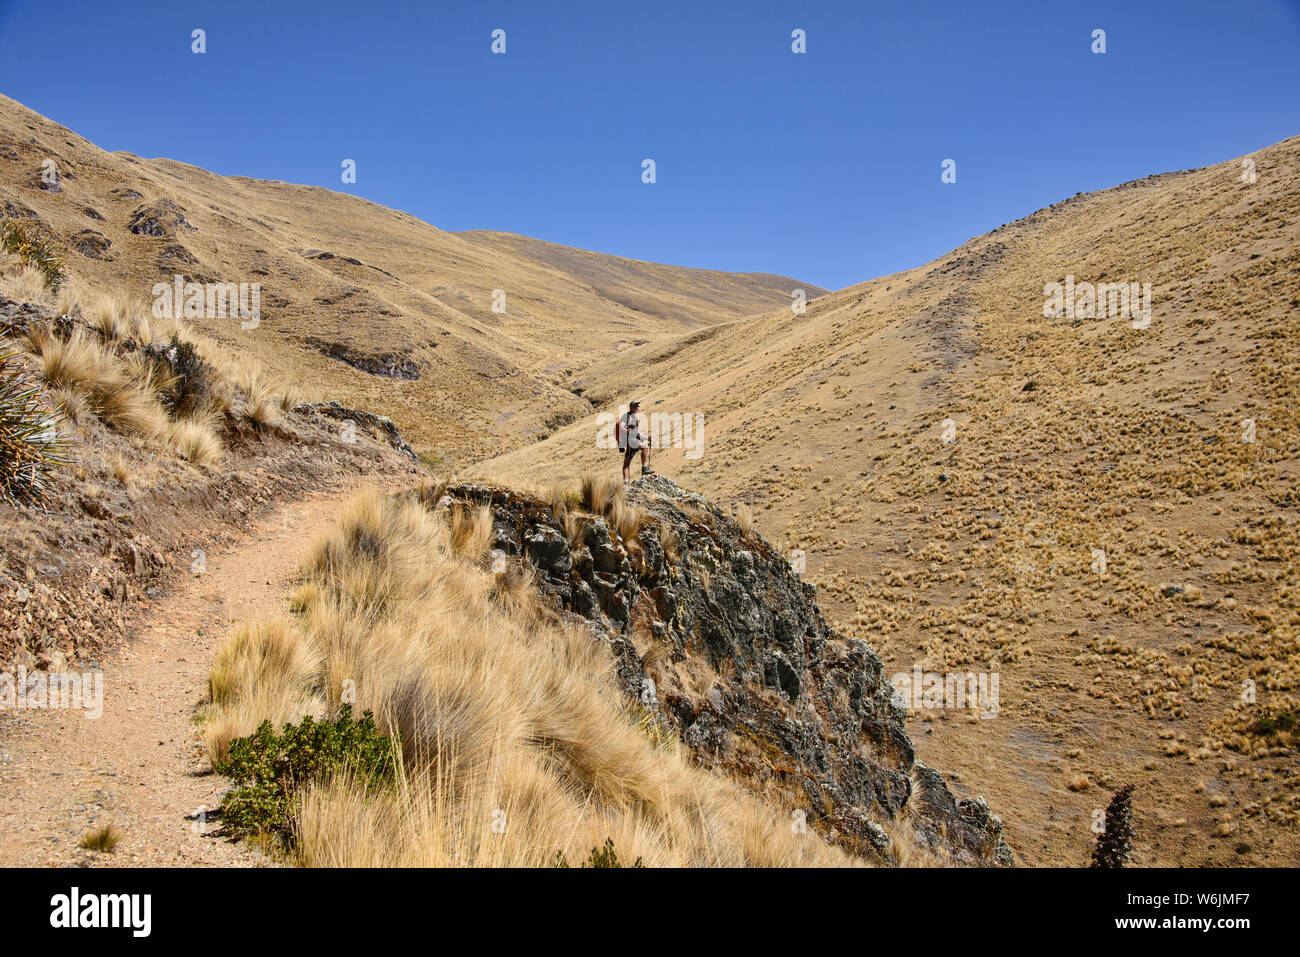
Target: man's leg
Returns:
[[627, 464], [645, 461]]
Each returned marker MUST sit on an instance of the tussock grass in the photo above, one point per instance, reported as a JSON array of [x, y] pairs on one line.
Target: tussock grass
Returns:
[[514, 588], [516, 743], [103, 839], [263, 395], [626, 520], [123, 392], [26, 284], [562, 501], [471, 531], [672, 545], [122, 471], [94, 370], [262, 414], [605, 495], [290, 395], [195, 440], [904, 847], [152, 378], [110, 315], [111, 388], [87, 373], [744, 518], [263, 671], [597, 493], [72, 404], [574, 523], [66, 299], [253, 381]]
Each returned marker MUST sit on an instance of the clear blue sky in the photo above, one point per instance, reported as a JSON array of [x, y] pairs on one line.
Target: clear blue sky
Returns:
[[824, 166]]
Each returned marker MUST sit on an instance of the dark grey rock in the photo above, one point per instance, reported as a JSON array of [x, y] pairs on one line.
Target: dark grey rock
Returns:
[[159, 218], [380, 425], [793, 708]]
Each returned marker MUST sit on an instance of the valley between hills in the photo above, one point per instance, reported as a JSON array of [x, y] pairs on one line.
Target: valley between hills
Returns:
[[1095, 508]]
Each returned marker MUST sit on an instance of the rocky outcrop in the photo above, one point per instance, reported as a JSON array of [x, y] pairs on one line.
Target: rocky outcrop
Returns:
[[15, 210], [380, 426], [159, 218], [391, 365], [717, 637], [92, 244]]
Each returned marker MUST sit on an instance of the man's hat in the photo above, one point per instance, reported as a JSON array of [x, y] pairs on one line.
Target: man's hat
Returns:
[[633, 404]]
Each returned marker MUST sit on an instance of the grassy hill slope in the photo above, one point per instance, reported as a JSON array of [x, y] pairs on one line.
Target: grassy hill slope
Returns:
[[1069, 438], [350, 287]]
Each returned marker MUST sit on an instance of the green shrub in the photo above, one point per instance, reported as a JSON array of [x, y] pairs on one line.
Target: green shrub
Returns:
[[30, 444], [33, 249], [599, 857], [270, 769], [190, 390], [1273, 725], [1115, 844]]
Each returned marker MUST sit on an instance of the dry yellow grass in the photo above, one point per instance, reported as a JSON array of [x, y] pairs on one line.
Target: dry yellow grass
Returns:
[[195, 440], [598, 492], [290, 395], [262, 413], [25, 284], [672, 542], [81, 365], [471, 531], [109, 314], [743, 516], [66, 298], [123, 391], [103, 839], [517, 744], [1069, 437], [122, 471], [605, 495], [95, 372]]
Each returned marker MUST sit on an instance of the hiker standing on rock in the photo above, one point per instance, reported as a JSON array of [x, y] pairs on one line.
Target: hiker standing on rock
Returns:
[[630, 438]]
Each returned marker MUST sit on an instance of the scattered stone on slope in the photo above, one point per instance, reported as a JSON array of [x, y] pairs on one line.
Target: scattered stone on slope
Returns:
[[15, 210], [380, 425], [92, 244], [162, 217], [391, 365], [173, 255]]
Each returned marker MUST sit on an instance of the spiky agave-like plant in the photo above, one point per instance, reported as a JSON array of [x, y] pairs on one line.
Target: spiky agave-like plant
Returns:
[[30, 445], [33, 248]]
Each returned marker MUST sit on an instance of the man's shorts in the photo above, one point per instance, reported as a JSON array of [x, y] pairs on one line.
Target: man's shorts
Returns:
[[628, 456]]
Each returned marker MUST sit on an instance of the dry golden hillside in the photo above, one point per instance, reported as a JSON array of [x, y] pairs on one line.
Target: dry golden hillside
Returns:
[[1100, 510], [1074, 503], [369, 305]]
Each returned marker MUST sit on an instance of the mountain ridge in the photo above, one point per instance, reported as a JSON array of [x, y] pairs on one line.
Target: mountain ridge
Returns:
[[464, 309]]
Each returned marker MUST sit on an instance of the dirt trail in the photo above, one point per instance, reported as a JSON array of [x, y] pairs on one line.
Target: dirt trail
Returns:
[[141, 765]]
